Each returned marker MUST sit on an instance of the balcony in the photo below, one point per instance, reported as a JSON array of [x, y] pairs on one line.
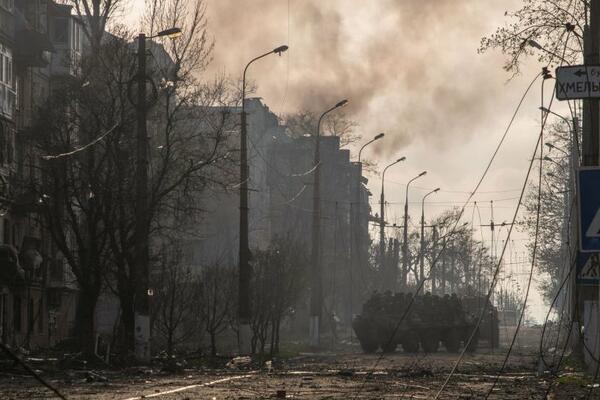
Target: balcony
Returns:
[[8, 99]]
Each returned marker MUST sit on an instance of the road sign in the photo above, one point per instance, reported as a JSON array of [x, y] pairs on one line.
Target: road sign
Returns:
[[588, 184], [578, 82], [588, 268]]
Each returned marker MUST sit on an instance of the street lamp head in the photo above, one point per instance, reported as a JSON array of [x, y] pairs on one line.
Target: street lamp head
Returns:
[[550, 145], [280, 49], [379, 136], [171, 33], [436, 190], [401, 159], [534, 44], [544, 109], [546, 158], [423, 173], [341, 103]]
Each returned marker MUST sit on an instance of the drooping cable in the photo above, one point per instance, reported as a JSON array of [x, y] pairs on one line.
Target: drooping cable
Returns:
[[454, 228]]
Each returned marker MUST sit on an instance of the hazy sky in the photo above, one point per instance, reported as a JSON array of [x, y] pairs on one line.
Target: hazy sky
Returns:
[[410, 69]]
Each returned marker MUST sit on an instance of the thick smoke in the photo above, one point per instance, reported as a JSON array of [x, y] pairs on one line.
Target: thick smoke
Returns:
[[409, 67]]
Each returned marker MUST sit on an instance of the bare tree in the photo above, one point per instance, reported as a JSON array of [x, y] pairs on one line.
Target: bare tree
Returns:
[[304, 123], [175, 299], [279, 280], [540, 23], [551, 245], [217, 299]]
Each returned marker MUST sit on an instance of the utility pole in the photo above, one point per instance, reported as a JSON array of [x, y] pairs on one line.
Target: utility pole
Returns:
[[591, 108], [355, 214], [244, 271], [433, 260], [422, 252], [405, 235], [141, 268], [316, 296], [141, 303], [391, 285]]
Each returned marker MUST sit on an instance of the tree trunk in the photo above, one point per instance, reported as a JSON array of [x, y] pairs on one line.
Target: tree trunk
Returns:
[[277, 329], [84, 320], [213, 344], [127, 321]]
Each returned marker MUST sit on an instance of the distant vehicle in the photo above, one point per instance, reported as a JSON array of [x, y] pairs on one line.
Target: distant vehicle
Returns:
[[386, 323], [489, 329]]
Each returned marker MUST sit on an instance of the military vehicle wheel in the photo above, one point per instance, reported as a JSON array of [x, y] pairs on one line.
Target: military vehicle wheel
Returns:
[[389, 347], [410, 343], [368, 347], [430, 343], [452, 341]]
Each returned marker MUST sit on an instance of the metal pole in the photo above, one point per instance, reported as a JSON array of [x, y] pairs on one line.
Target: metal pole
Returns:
[[316, 297], [244, 271], [405, 236], [382, 263], [316, 289], [422, 252], [141, 303]]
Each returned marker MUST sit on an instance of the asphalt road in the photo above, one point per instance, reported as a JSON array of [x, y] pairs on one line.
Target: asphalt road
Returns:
[[310, 376]]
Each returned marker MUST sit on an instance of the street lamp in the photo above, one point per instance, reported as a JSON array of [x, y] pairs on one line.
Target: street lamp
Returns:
[[405, 244], [538, 46], [391, 280], [551, 146], [244, 307], [377, 137], [316, 292], [171, 33], [142, 224], [422, 255], [355, 211]]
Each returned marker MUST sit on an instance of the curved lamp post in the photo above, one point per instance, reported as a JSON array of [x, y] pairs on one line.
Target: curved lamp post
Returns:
[[142, 225], [390, 279], [244, 308], [405, 236], [422, 255], [316, 290]]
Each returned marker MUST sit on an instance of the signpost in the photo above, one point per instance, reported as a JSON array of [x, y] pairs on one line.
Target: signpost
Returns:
[[578, 82]]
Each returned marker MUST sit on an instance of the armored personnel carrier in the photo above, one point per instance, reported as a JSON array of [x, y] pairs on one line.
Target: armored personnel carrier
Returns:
[[489, 329], [387, 321]]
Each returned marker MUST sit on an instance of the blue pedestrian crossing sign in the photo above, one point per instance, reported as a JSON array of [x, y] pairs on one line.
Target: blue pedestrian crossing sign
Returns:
[[588, 183], [588, 268]]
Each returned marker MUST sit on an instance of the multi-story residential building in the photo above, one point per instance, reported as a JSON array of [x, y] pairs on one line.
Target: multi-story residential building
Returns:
[[344, 240], [37, 310]]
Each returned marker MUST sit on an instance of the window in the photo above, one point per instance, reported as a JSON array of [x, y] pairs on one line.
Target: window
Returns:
[[9, 72], [61, 30], [40, 314], [17, 313], [30, 316]]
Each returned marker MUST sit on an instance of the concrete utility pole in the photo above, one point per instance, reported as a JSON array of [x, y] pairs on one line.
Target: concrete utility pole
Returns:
[[355, 214], [587, 296], [405, 238], [591, 109], [316, 294], [422, 252], [142, 218], [244, 271], [391, 284], [141, 304], [433, 260]]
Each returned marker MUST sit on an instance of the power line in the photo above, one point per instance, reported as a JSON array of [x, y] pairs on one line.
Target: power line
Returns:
[[497, 270], [471, 195]]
